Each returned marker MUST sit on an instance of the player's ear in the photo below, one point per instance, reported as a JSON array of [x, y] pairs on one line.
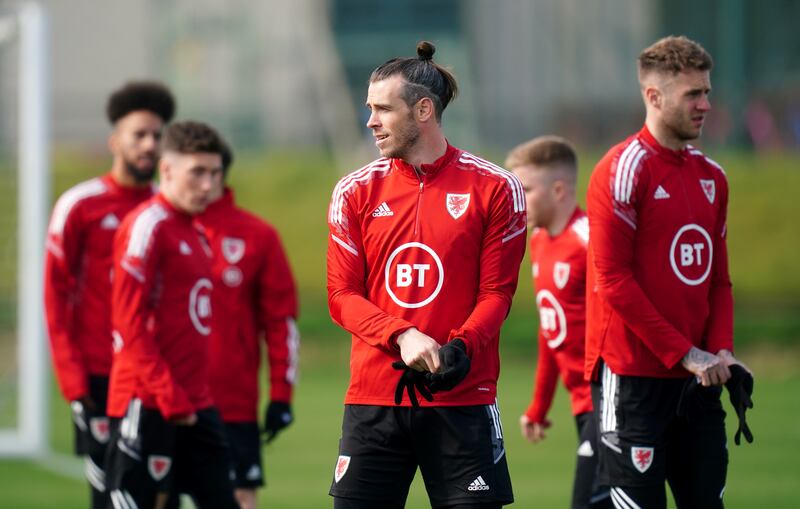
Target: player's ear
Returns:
[[424, 109], [559, 189], [164, 166], [653, 96], [113, 142]]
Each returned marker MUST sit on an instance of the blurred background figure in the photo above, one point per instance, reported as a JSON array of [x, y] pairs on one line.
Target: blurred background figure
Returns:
[[547, 167]]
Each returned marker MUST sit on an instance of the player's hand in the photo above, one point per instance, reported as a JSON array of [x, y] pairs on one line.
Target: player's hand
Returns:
[[707, 367], [277, 416], [729, 360], [740, 390], [533, 431], [184, 420], [419, 351], [455, 367], [410, 380]]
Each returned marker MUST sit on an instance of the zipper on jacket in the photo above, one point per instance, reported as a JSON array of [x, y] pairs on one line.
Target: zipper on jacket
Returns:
[[419, 204]]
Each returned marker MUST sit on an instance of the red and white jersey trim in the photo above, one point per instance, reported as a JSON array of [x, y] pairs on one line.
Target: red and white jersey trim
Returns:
[[293, 344], [143, 228], [363, 174], [626, 170], [71, 198], [513, 182], [581, 228]]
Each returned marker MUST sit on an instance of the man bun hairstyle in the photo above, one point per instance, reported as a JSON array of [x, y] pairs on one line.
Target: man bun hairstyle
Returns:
[[141, 95], [549, 152], [673, 55], [190, 137], [423, 77]]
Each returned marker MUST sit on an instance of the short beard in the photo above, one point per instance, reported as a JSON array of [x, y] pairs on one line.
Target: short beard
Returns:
[[407, 138], [680, 133], [139, 176]]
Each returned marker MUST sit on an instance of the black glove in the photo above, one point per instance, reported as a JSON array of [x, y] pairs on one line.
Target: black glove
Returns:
[[409, 380], [277, 416], [740, 389], [454, 366]]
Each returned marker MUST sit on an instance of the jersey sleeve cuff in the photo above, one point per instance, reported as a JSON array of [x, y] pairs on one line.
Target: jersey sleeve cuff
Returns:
[[391, 340], [280, 392], [466, 336], [672, 360]]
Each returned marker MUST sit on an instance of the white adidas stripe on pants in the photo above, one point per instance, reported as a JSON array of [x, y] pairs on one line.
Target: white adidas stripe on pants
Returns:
[[621, 500]]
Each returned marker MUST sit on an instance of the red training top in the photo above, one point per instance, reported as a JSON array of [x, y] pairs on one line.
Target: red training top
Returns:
[[160, 312], [254, 295], [439, 251], [77, 278], [559, 277], [657, 280]]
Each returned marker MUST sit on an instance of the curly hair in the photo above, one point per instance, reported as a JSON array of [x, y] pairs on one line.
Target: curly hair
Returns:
[[141, 95], [674, 55]]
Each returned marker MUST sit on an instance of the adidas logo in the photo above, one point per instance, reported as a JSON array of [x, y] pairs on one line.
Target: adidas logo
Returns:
[[585, 449], [110, 222], [478, 485], [184, 248], [661, 194], [254, 474], [383, 211]]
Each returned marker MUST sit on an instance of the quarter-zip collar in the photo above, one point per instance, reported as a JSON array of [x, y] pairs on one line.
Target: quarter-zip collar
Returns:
[[179, 214], [675, 156], [428, 171]]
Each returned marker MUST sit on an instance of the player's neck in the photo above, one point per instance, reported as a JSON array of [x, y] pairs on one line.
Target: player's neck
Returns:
[[563, 214], [664, 135], [427, 151]]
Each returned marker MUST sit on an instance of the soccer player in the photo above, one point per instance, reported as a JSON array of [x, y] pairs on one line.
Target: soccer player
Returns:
[[423, 257], [659, 298], [254, 295], [547, 167], [171, 438], [78, 265]]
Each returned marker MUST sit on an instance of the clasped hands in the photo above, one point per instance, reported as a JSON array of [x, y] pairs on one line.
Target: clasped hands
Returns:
[[428, 367]]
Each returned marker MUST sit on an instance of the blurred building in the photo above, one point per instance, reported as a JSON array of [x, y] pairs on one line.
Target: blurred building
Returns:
[[293, 72]]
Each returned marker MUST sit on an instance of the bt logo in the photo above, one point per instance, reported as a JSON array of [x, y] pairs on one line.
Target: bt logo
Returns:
[[552, 319], [414, 275], [691, 254], [200, 306]]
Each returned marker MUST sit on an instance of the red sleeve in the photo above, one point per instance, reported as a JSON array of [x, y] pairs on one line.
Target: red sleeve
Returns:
[[62, 264], [544, 387], [347, 282], [277, 302], [501, 254], [612, 221], [719, 334], [135, 270]]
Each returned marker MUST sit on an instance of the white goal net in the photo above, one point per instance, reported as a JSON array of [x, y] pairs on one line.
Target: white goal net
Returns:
[[24, 191]]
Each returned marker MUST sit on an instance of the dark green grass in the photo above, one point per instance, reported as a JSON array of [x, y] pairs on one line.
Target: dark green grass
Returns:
[[300, 462]]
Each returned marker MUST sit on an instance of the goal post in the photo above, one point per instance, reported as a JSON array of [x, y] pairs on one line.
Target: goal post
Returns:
[[27, 23]]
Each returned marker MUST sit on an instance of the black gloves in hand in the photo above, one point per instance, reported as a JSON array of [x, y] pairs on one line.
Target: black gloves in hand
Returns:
[[454, 367], [277, 416], [740, 389], [409, 380]]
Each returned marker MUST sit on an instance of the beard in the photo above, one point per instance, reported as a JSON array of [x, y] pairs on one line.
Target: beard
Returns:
[[682, 128], [405, 139], [140, 175]]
